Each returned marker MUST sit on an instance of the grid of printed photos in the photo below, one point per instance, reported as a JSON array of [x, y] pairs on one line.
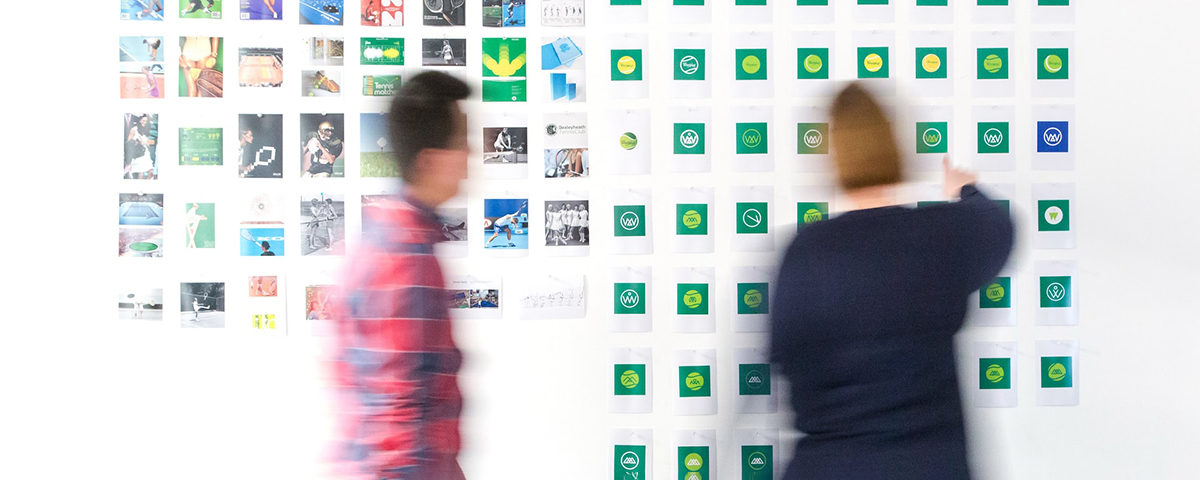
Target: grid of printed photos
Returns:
[[307, 149]]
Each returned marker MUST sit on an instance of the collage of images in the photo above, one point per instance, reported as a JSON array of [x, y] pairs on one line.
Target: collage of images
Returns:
[[380, 13]]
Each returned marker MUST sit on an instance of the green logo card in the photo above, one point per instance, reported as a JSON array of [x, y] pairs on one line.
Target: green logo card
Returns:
[[689, 139], [752, 138], [997, 294], [873, 62], [754, 379], [811, 212], [695, 381], [758, 462], [691, 219], [931, 62], [811, 138], [381, 51], [932, 137], [626, 65], [629, 220], [1056, 291], [693, 463], [995, 373], [993, 137], [692, 299], [750, 64], [1053, 64], [629, 462], [753, 298], [689, 63], [629, 379], [1056, 372], [629, 298], [812, 63], [752, 218], [1054, 215], [992, 63]]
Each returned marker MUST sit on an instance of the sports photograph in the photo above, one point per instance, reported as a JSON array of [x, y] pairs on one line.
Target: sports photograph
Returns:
[[443, 52], [264, 286], [506, 223], [475, 298], [503, 145], [323, 51], [444, 13], [374, 150], [141, 146], [383, 13], [201, 225], [140, 304], [322, 152], [567, 223], [260, 10], [141, 64], [202, 304], [454, 225], [322, 225], [260, 145], [321, 12], [140, 220], [566, 162], [201, 67], [210, 9], [321, 83], [142, 10], [504, 13], [260, 67], [316, 301]]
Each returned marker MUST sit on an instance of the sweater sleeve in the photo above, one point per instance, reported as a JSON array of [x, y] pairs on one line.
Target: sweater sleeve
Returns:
[[987, 237]]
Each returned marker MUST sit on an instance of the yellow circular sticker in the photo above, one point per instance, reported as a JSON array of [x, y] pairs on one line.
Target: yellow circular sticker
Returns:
[[626, 65], [751, 64], [931, 63], [873, 63]]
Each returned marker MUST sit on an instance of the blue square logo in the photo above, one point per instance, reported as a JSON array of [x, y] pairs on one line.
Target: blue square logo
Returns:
[[1052, 137]]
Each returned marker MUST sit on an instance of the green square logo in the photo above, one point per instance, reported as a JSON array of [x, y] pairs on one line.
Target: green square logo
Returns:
[[992, 3], [626, 65], [997, 294], [811, 138], [933, 3], [1056, 372], [758, 462], [629, 220], [689, 63], [629, 462], [872, 2], [693, 299], [992, 63], [691, 219], [1053, 64], [812, 63], [629, 379], [812, 3], [629, 298], [931, 62], [754, 379], [693, 463], [690, 2], [625, 2], [810, 212], [752, 218], [695, 381], [753, 298], [873, 62], [751, 64], [1054, 215], [1056, 291], [752, 138], [1054, 3], [750, 2], [689, 139], [993, 137], [932, 137], [995, 373]]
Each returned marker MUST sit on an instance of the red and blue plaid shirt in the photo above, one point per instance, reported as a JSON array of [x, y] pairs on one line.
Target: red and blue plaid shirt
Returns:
[[396, 362]]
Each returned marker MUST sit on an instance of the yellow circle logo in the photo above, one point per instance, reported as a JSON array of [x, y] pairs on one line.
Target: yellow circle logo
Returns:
[[994, 373], [1053, 63], [693, 462], [753, 298], [873, 63], [813, 215], [694, 381], [813, 63], [691, 219], [692, 299], [630, 379], [1057, 372], [751, 64], [992, 63], [626, 65], [931, 63], [994, 292]]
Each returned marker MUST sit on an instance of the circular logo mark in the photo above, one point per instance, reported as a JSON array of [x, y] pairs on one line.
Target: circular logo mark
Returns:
[[692, 219], [630, 461], [757, 461], [630, 221], [813, 63], [1054, 215], [752, 138], [813, 138], [994, 373], [689, 64], [931, 63], [693, 476], [993, 137], [1052, 63], [992, 63], [628, 141], [689, 138], [694, 381], [932, 137], [626, 65], [752, 217], [994, 292], [754, 380], [630, 298], [630, 379], [1052, 136], [813, 215], [692, 299], [1056, 292], [753, 298], [1057, 372], [873, 62], [693, 462], [751, 64], [551, 129]]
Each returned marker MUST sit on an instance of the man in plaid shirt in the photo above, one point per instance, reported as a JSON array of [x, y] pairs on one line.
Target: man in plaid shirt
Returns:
[[396, 362]]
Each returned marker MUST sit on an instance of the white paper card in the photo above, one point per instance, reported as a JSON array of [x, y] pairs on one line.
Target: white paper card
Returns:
[[556, 296], [631, 294], [757, 390], [995, 384], [475, 296], [633, 390], [696, 371], [1058, 292], [627, 143], [991, 139], [753, 218], [1058, 362], [1057, 211], [630, 220], [695, 292]]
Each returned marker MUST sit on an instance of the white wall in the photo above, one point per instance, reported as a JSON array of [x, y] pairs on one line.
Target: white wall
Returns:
[[88, 395]]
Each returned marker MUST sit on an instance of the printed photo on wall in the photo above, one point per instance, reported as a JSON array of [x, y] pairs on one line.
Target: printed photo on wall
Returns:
[[321, 12], [140, 241], [375, 151], [566, 153], [443, 52], [260, 145], [321, 83], [454, 224], [210, 9], [260, 67], [506, 223], [261, 9], [145, 10], [563, 58], [383, 13], [475, 298], [140, 217], [143, 209], [200, 146], [567, 223], [140, 304], [503, 13], [202, 305], [141, 146], [322, 224], [566, 162], [142, 67], [201, 221], [444, 13], [504, 70], [317, 302], [321, 147], [562, 13], [261, 231], [201, 67], [323, 51], [264, 286], [505, 145]]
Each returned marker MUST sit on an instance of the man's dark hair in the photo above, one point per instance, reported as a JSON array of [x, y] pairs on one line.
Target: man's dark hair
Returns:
[[422, 116]]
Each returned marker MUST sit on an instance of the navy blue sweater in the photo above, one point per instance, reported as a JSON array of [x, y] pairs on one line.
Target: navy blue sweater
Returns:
[[864, 315]]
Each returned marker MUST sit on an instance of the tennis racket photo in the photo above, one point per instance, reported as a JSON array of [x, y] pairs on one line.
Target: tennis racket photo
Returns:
[[439, 6]]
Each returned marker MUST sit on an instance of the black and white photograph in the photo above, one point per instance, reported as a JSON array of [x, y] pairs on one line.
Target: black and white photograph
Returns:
[[322, 224], [202, 304], [444, 52], [454, 224], [505, 145], [444, 13], [140, 304], [567, 223], [260, 145]]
